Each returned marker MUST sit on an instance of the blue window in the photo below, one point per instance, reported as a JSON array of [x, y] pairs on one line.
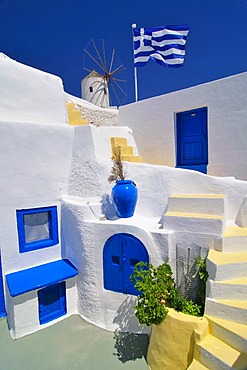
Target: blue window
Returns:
[[121, 253], [37, 228], [52, 302]]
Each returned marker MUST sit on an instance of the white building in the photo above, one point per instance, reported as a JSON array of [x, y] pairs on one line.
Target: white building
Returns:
[[59, 234]]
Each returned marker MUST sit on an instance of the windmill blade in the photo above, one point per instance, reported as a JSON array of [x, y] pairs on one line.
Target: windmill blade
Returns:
[[103, 66], [104, 55], [118, 70], [112, 58], [118, 79], [93, 59], [88, 70], [120, 88], [109, 72], [116, 94]]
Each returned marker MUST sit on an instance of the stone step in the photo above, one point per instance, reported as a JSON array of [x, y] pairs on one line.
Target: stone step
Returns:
[[217, 355], [232, 333], [234, 239], [211, 204], [120, 141], [196, 365], [132, 158], [226, 266], [227, 289], [231, 310], [193, 222]]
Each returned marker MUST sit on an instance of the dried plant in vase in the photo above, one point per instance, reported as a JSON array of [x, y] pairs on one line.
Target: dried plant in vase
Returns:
[[124, 192], [117, 171]]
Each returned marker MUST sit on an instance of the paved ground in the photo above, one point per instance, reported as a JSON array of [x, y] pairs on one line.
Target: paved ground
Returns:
[[72, 344]]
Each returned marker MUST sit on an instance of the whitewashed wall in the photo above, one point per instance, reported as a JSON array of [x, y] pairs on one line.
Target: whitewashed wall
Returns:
[[23, 311], [35, 165], [153, 122], [29, 95]]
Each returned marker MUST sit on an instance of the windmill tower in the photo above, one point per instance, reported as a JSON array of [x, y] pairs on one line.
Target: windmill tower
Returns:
[[105, 83], [95, 89]]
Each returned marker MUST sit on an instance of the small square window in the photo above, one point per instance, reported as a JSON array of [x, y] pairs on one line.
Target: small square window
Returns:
[[116, 260], [37, 228]]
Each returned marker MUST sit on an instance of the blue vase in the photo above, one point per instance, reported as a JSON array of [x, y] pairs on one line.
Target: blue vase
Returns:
[[124, 195]]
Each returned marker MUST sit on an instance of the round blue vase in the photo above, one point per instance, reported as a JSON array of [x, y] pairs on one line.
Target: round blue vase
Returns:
[[124, 195]]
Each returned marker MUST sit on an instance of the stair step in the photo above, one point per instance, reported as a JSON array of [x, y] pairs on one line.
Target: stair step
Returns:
[[132, 158], [193, 222], [211, 204], [120, 141], [196, 365], [232, 333], [227, 289], [234, 239], [217, 355], [225, 266], [231, 310]]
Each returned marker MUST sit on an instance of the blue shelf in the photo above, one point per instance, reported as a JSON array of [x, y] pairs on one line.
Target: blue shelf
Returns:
[[40, 276]]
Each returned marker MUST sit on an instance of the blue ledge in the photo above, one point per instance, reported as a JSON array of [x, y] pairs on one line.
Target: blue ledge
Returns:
[[40, 276]]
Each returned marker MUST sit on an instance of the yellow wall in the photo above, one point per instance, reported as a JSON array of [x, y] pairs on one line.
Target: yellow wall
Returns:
[[172, 342]]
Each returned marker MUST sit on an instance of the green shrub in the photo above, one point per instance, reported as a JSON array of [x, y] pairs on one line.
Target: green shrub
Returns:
[[157, 291]]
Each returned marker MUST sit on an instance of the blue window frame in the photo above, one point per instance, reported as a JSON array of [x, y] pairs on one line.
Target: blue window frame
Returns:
[[37, 228], [52, 302], [120, 255]]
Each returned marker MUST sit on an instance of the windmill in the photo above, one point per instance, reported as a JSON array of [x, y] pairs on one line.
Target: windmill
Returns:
[[105, 82]]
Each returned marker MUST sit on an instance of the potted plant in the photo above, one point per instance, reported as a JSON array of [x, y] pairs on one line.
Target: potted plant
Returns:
[[124, 193]]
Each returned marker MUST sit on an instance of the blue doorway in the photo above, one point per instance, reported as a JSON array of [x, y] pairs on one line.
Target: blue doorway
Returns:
[[192, 140], [121, 253], [52, 302], [2, 305]]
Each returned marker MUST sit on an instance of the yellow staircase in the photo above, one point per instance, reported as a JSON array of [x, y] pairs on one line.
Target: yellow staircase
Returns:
[[125, 149], [225, 347], [226, 306], [75, 115]]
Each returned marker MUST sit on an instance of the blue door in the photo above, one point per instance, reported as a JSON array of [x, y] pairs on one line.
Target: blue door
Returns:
[[192, 140], [52, 302], [2, 305], [120, 255]]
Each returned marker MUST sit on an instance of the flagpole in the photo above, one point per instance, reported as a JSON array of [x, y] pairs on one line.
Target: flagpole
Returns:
[[135, 69]]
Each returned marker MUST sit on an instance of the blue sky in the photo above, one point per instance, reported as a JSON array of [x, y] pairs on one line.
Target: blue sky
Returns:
[[50, 35]]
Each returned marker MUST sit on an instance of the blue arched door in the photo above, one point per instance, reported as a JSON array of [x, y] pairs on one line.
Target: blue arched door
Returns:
[[2, 305], [121, 253]]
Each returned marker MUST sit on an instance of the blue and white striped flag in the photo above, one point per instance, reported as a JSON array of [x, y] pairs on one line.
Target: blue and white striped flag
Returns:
[[165, 45]]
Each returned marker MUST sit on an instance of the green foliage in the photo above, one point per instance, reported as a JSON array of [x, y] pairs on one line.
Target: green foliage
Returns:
[[157, 290], [203, 276], [202, 268]]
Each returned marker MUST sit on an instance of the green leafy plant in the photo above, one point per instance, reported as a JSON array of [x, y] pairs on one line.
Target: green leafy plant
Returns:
[[203, 276], [157, 292]]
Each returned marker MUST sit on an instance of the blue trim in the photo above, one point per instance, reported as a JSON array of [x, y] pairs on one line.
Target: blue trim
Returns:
[[2, 303], [52, 302], [40, 276], [44, 243]]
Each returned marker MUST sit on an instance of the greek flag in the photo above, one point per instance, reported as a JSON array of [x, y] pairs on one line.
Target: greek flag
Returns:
[[165, 45]]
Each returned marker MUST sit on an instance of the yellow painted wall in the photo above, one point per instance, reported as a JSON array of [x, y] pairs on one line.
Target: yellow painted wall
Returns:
[[172, 342]]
